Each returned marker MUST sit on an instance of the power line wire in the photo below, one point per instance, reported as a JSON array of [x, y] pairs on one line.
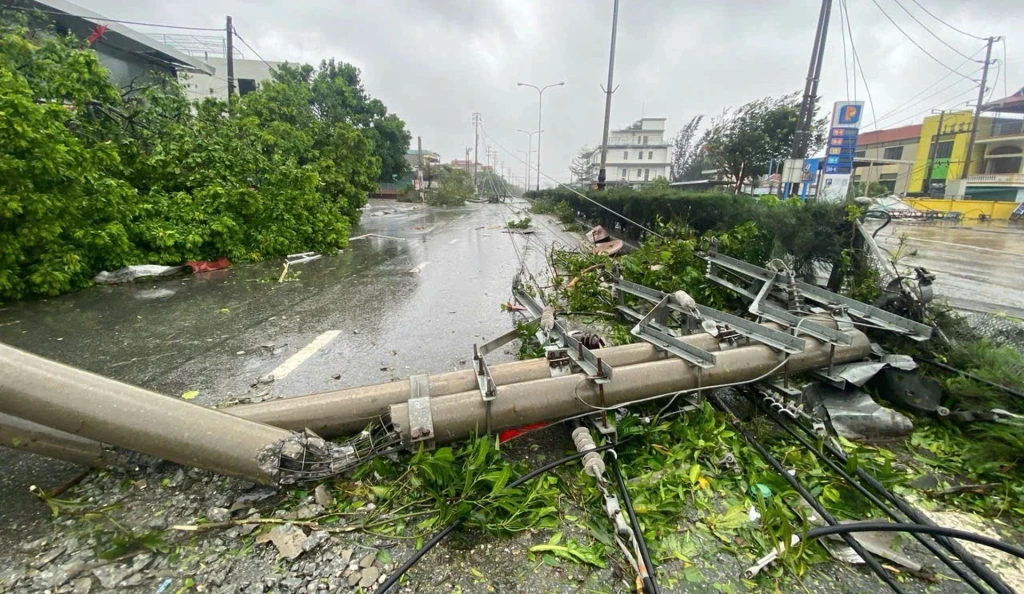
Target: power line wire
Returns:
[[846, 68], [109, 20], [921, 100], [246, 44], [955, 100], [857, 64], [913, 41], [912, 101], [930, 32], [962, 32]]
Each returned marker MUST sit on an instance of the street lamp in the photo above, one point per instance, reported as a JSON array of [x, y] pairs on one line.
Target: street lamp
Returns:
[[530, 152], [540, 102], [526, 162]]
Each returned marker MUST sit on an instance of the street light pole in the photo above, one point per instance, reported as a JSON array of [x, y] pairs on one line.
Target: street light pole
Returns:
[[530, 152], [540, 102]]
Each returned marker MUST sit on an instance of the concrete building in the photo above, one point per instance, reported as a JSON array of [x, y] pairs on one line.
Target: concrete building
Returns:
[[887, 157], [637, 155], [412, 157], [248, 76], [996, 170], [128, 55]]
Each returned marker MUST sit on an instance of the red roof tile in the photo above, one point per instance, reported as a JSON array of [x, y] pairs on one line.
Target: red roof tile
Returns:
[[890, 135]]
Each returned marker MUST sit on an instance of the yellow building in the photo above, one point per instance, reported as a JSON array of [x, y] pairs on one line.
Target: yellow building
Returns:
[[996, 170]]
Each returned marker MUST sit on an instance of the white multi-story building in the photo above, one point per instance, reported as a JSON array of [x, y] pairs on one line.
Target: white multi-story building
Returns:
[[636, 155]]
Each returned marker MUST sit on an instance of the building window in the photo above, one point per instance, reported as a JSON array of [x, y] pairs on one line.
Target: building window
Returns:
[[639, 172], [246, 86], [645, 140], [943, 151], [647, 174], [650, 154], [625, 155], [893, 152], [640, 155], [860, 154], [622, 175]]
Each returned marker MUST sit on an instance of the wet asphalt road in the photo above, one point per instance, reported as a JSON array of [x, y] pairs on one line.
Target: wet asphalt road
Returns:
[[383, 309], [979, 266]]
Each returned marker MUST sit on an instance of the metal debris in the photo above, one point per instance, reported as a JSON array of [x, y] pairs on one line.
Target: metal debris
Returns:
[[855, 416]]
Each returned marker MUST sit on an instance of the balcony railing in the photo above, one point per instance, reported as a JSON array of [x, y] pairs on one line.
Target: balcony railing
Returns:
[[1005, 128], [1008, 179]]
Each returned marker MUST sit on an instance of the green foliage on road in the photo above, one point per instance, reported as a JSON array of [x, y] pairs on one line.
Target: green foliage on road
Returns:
[[454, 188], [93, 177]]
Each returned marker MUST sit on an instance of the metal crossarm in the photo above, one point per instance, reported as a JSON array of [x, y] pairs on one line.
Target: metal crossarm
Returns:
[[645, 330], [777, 340], [597, 370], [868, 313]]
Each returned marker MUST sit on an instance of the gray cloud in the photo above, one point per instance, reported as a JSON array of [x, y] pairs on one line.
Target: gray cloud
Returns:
[[436, 62]]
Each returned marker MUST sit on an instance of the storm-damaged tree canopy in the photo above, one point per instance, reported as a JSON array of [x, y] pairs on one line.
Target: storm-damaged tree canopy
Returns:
[[93, 178]]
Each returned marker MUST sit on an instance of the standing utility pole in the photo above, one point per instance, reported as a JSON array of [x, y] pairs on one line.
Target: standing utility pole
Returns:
[[231, 59], [927, 189], [977, 108], [540, 103], [601, 174], [476, 144], [803, 132]]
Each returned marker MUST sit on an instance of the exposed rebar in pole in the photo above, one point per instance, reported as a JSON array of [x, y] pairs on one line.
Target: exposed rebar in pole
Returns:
[[230, 59], [976, 121], [799, 149], [608, 90]]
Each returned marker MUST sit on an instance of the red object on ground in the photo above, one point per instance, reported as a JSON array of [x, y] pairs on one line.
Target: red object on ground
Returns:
[[514, 307], [209, 265], [509, 434], [97, 33]]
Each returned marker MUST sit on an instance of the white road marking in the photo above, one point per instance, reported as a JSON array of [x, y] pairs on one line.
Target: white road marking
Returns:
[[420, 267], [306, 352], [453, 241], [963, 245]]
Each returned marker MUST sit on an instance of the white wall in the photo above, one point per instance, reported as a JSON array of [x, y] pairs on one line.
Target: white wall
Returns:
[[200, 86]]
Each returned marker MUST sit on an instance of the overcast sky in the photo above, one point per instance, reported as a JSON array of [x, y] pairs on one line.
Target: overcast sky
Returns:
[[435, 62]]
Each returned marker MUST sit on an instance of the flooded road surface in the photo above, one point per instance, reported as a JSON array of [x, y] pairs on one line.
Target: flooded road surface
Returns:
[[385, 308], [978, 266]]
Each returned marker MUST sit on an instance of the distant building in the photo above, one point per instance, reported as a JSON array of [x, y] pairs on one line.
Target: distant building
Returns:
[[412, 157], [886, 157], [467, 166], [637, 155], [128, 55]]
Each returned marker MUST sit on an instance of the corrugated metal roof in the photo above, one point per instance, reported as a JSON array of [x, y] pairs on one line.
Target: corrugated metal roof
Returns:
[[82, 22]]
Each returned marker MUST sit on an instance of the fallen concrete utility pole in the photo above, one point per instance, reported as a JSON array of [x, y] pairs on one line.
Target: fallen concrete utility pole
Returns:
[[328, 414], [27, 436], [343, 412], [94, 407], [458, 416]]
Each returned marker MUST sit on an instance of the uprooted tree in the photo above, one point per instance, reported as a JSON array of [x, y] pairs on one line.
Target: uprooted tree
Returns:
[[93, 179]]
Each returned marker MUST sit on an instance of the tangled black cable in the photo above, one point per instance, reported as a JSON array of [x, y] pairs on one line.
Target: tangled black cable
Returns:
[[434, 540], [968, 578], [999, 545], [650, 582]]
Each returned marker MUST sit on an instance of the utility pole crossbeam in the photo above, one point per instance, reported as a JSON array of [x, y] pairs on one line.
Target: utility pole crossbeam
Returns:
[[230, 30], [602, 175], [965, 170]]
